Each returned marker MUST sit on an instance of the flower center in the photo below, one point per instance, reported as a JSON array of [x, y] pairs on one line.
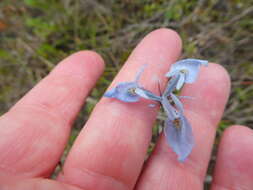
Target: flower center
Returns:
[[184, 71], [171, 100]]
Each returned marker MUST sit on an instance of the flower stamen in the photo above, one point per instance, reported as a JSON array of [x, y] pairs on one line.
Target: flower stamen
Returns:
[[184, 71], [176, 123], [132, 91]]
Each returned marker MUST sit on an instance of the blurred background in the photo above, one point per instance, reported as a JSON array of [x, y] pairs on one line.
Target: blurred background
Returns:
[[37, 34]]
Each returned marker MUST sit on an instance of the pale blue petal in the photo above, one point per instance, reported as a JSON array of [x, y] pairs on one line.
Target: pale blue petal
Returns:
[[193, 61], [180, 139], [177, 102], [190, 65], [123, 92], [169, 109], [171, 86], [192, 74], [110, 93], [147, 94], [181, 81], [172, 73]]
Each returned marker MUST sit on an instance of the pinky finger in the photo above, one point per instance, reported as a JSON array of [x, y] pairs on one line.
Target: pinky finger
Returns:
[[234, 168]]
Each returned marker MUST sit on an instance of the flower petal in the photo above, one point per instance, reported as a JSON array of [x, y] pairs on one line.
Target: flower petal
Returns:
[[147, 94], [110, 93], [124, 91], [171, 85], [177, 102], [193, 61], [172, 73], [180, 139], [191, 66], [169, 109], [181, 81]]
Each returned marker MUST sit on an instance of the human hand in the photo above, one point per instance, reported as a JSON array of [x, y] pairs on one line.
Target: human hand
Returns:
[[110, 151]]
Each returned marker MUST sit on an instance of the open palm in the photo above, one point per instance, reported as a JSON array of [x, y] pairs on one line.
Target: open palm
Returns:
[[110, 150]]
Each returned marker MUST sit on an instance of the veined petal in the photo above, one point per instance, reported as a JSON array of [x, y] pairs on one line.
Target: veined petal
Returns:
[[171, 85], [172, 73], [190, 67], [147, 94], [193, 61], [124, 91], [110, 93], [177, 102], [181, 81], [180, 138], [169, 109]]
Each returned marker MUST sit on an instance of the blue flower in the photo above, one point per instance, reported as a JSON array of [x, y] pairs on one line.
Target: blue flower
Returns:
[[187, 70], [178, 133], [178, 130], [125, 91]]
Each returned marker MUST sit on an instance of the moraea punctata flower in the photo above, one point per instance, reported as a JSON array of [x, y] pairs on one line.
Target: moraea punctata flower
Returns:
[[178, 130], [187, 69]]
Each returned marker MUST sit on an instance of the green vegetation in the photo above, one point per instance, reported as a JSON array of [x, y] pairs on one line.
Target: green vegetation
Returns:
[[36, 34]]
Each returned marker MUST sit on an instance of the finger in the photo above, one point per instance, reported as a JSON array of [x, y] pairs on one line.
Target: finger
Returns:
[[35, 183], [234, 168], [163, 170], [34, 132], [110, 151]]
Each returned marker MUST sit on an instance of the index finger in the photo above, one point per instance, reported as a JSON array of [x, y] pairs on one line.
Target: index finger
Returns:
[[110, 151]]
